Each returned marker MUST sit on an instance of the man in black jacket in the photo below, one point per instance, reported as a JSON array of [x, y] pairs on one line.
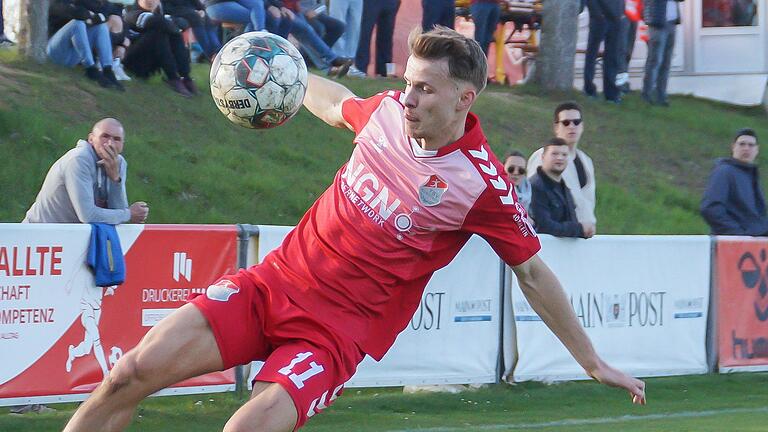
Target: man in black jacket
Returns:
[[662, 17], [733, 203], [157, 44], [552, 207]]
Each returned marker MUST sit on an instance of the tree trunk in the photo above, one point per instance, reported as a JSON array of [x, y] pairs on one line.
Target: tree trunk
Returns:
[[33, 29], [554, 63]]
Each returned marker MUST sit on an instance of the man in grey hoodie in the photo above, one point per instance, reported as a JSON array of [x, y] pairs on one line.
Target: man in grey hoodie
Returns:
[[87, 184], [733, 203]]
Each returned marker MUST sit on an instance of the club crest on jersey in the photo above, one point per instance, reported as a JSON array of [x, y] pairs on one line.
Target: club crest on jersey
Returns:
[[222, 290], [431, 192]]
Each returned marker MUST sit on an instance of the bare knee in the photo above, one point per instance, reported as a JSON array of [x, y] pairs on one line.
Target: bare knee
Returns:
[[270, 410]]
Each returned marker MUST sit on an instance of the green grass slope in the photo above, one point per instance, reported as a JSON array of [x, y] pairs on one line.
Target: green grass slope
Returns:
[[193, 166]]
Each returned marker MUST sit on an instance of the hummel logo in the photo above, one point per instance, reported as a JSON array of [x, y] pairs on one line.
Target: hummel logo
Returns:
[[182, 266]]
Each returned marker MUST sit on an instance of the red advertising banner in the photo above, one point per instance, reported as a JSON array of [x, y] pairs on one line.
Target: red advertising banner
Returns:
[[742, 290], [63, 334]]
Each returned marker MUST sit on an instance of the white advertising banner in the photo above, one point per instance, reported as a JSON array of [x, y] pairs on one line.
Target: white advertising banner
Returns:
[[643, 301], [453, 338]]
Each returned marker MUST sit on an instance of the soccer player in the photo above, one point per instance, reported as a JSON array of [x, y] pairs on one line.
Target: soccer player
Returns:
[[421, 180]]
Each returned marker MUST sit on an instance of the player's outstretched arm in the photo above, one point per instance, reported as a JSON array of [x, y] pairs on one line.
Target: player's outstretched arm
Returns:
[[546, 296], [324, 99]]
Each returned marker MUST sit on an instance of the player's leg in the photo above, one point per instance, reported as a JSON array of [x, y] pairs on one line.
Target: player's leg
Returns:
[[181, 346], [270, 409]]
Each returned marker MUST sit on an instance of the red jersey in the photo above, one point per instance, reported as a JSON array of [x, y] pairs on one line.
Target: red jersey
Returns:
[[361, 256]]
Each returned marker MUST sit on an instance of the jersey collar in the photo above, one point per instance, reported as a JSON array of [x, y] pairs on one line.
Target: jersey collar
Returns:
[[473, 136]]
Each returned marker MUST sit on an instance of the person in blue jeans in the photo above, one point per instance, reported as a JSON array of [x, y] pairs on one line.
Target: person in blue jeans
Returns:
[[74, 43], [380, 14], [604, 26], [438, 12], [205, 32], [286, 14], [248, 12], [662, 17], [485, 15], [349, 12]]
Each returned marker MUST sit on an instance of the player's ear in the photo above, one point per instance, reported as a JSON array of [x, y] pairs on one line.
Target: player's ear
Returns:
[[466, 98]]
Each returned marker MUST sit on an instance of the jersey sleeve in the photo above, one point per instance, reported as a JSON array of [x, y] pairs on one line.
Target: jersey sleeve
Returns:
[[357, 111], [501, 220]]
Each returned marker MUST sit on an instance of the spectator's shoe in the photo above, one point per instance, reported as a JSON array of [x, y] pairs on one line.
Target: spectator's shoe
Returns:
[[190, 85], [179, 87], [94, 74], [646, 97], [109, 75], [356, 73], [341, 61], [117, 68], [5, 42], [663, 102]]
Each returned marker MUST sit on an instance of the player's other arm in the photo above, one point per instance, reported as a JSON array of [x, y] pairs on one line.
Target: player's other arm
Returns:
[[324, 99], [546, 296]]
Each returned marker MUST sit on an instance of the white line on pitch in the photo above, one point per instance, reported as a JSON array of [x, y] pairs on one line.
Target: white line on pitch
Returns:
[[591, 421]]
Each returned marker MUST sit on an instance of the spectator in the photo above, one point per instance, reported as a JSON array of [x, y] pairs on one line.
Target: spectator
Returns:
[[351, 13], [662, 17], [326, 58], [87, 184], [604, 26], [552, 206], [514, 165], [205, 32], [76, 29], [579, 175], [733, 202], [485, 15], [157, 44], [4, 41], [250, 13], [438, 12], [117, 36], [380, 14], [328, 28], [626, 47]]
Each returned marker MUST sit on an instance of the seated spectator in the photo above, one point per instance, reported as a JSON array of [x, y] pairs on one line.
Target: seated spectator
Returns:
[[485, 15], [380, 14], [76, 29], [282, 14], [733, 202], [250, 13], [514, 165], [328, 28], [119, 39], [87, 184], [349, 12], [206, 33], [157, 44], [552, 207]]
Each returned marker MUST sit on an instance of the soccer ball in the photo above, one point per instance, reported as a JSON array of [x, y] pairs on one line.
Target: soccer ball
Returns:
[[258, 80]]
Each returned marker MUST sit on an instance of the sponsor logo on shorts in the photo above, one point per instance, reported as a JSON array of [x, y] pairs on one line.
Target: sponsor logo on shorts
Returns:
[[222, 290]]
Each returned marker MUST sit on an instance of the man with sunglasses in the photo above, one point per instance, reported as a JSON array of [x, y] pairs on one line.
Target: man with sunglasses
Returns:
[[579, 174], [733, 203]]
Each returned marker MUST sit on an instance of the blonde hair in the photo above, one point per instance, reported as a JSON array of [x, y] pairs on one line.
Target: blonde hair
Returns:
[[466, 60]]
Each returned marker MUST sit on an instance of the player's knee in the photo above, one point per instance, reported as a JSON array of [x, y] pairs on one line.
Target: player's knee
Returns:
[[123, 374], [269, 418]]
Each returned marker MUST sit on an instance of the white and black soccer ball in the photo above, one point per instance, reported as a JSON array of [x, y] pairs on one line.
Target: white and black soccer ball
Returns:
[[258, 80]]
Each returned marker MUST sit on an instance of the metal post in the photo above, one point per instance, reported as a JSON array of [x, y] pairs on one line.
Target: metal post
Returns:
[[502, 286], [712, 336], [244, 234]]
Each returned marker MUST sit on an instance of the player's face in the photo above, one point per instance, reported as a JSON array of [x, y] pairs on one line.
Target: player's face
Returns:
[[432, 99], [515, 167], [745, 149], [566, 127], [555, 159], [107, 135]]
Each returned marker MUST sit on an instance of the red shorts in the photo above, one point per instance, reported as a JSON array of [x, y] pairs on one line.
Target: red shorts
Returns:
[[253, 322]]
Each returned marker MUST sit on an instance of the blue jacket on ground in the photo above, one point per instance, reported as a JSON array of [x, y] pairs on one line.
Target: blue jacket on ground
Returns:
[[733, 203], [105, 256]]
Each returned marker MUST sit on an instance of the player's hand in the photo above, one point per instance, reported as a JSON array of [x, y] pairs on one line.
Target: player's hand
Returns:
[[610, 376], [139, 212], [110, 162], [588, 229]]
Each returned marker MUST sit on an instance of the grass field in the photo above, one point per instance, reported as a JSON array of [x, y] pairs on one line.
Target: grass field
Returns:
[[707, 403]]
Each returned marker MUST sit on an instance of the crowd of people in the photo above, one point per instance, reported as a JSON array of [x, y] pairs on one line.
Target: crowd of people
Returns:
[[556, 185]]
